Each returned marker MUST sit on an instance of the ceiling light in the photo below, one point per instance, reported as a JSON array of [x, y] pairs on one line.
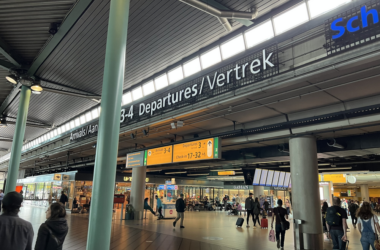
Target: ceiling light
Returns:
[[183, 172], [284, 166], [179, 124], [196, 174], [231, 169], [36, 92], [154, 170], [36, 87], [197, 167], [3, 122], [173, 125], [324, 164], [11, 79], [334, 168]]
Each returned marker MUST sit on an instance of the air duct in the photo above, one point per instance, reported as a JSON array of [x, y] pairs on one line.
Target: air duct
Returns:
[[222, 15]]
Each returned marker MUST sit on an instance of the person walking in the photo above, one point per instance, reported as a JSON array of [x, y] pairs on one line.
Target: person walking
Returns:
[[280, 214], [53, 231], [288, 206], [180, 207], [63, 198], [368, 225], [15, 233], [353, 208], [1, 198], [249, 207], [256, 212], [266, 206], [324, 210], [147, 207], [336, 224], [159, 208]]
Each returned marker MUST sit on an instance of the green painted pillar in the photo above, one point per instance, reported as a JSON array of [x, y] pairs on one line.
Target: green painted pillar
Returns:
[[99, 232], [18, 138]]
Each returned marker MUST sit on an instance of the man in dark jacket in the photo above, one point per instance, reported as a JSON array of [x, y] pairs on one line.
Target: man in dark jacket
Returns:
[[353, 208], [63, 198], [249, 207], [15, 233], [180, 207]]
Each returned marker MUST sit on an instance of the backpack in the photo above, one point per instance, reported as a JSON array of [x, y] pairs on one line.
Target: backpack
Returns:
[[333, 217]]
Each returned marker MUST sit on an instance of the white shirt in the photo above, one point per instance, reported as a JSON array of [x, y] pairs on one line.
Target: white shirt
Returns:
[[360, 221]]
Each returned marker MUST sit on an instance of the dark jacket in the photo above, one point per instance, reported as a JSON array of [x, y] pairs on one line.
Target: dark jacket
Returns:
[[180, 205], [63, 199], [58, 227], [15, 233], [256, 207], [249, 203]]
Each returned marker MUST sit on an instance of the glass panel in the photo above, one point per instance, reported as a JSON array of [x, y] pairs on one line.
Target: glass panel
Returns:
[[127, 98], [59, 131], [137, 93], [47, 191], [88, 117], [148, 88], [68, 127], [319, 7], [39, 191], [211, 57], [161, 82], [95, 113], [83, 119], [77, 122], [55, 132], [232, 47], [63, 128], [290, 18], [192, 67], [30, 188], [72, 124], [259, 34], [175, 75]]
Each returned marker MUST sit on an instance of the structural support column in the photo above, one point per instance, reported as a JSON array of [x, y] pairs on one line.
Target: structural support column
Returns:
[[138, 191], [365, 193], [18, 138], [100, 221], [257, 191], [305, 191]]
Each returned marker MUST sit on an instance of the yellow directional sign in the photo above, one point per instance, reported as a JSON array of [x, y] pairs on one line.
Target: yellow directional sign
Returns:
[[161, 155], [194, 151]]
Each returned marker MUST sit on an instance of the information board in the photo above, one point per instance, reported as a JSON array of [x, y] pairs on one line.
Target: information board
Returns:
[[269, 178], [135, 159], [263, 178], [226, 173], [162, 155], [205, 149], [256, 178]]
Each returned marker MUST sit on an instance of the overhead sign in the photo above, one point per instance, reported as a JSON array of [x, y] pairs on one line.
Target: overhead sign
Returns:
[[335, 178], [161, 187], [171, 187], [162, 155], [226, 173], [197, 150], [57, 177], [135, 159]]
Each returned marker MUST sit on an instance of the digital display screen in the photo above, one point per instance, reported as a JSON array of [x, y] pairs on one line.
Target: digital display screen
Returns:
[[256, 178], [290, 183], [263, 178], [275, 178], [269, 178], [287, 180], [281, 179]]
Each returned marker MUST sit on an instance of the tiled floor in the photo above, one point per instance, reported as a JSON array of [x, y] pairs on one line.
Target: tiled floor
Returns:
[[203, 230]]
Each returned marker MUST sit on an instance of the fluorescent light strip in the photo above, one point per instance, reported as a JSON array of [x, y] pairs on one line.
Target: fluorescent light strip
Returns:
[[219, 170], [196, 174], [334, 168], [184, 172], [154, 170], [196, 167]]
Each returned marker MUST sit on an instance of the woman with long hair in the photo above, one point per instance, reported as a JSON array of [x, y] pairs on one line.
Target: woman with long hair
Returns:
[[53, 231], [368, 224], [324, 210], [256, 212]]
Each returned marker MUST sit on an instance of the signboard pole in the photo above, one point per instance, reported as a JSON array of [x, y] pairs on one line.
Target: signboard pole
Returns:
[[100, 221]]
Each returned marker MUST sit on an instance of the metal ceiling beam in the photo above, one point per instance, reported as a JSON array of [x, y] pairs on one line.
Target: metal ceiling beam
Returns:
[[14, 92], [5, 50], [220, 6], [6, 140], [64, 92], [32, 125], [7, 65], [77, 11]]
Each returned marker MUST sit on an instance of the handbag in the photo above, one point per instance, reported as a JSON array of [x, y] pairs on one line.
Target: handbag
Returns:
[[272, 237], [53, 242], [376, 243]]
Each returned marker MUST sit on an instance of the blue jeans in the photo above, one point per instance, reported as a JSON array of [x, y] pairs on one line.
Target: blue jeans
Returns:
[[338, 243], [367, 240]]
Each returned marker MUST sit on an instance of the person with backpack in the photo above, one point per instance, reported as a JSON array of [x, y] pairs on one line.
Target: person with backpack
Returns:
[[368, 225], [249, 207], [53, 231], [281, 216], [325, 206], [353, 209], [336, 224], [256, 212]]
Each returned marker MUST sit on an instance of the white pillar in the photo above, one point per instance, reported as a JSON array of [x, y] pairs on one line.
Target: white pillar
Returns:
[[137, 191], [257, 191], [305, 191], [365, 193]]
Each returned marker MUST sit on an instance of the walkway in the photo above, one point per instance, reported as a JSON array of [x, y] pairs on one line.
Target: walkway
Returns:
[[203, 230]]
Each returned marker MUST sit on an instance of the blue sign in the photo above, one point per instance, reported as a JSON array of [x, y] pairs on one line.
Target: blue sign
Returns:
[[162, 187], [338, 24], [172, 187]]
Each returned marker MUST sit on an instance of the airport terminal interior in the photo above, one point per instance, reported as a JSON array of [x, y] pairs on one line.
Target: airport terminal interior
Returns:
[[107, 105]]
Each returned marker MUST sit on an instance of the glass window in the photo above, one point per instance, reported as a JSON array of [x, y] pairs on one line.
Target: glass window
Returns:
[[55, 132], [47, 191], [39, 190], [83, 119], [175, 75], [319, 7], [127, 98], [191, 67], [44, 137], [59, 131], [99, 110], [232, 47], [161, 81], [95, 113], [77, 122], [148, 88], [137, 93], [68, 127], [290, 18], [88, 116], [259, 34], [211, 57], [63, 128]]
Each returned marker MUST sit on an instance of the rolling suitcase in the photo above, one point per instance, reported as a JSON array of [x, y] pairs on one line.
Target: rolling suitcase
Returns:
[[239, 222], [264, 223]]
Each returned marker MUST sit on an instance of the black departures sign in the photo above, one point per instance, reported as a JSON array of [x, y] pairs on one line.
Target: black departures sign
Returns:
[[353, 28]]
